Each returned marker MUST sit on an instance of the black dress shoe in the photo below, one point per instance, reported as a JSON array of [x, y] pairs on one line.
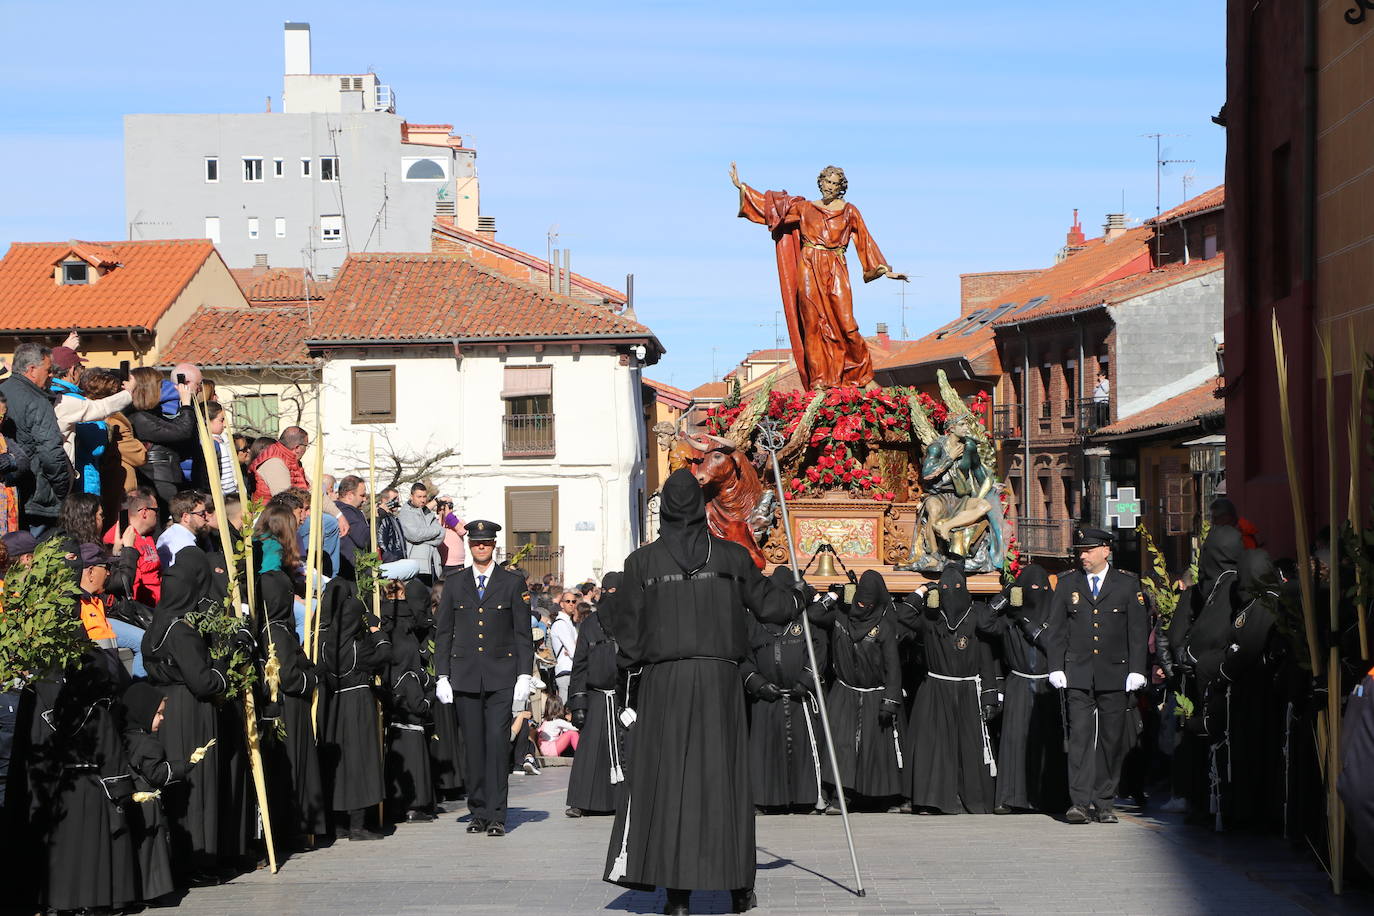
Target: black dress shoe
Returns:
[[1106, 816], [496, 830], [415, 816], [678, 901], [477, 826], [1001, 809], [362, 833], [1076, 815], [573, 812], [742, 901]]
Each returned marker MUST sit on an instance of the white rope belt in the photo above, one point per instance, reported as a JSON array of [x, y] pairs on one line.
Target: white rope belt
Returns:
[[612, 745], [408, 727], [977, 682], [1032, 677], [859, 689]]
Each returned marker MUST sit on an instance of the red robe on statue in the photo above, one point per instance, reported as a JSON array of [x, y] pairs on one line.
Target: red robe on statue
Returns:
[[811, 242]]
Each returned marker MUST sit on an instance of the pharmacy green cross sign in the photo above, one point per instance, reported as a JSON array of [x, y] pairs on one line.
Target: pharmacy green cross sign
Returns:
[[1124, 508]]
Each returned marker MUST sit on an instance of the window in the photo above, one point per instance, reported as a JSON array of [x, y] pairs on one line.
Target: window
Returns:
[[329, 168], [212, 228], [75, 273], [305, 166], [424, 169], [374, 394], [256, 414], [254, 228], [279, 224], [527, 427], [278, 167], [211, 169], [252, 168], [1209, 242], [530, 516], [331, 228]]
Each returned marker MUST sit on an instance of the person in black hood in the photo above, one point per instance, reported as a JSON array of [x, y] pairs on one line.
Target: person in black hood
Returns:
[[407, 768], [597, 766], [686, 819], [786, 739], [865, 698], [144, 706], [179, 663], [951, 767], [1032, 767]]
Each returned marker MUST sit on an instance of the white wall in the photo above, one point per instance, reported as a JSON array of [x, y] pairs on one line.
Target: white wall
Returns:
[[598, 465]]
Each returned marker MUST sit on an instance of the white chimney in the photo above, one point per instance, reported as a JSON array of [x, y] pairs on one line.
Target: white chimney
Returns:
[[297, 48]]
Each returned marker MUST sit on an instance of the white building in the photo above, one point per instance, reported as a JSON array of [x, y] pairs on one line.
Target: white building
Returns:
[[335, 170], [525, 403]]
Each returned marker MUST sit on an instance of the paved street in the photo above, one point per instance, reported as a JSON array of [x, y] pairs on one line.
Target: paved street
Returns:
[[927, 865]]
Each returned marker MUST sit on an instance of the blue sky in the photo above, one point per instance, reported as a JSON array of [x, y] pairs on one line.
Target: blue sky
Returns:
[[969, 132]]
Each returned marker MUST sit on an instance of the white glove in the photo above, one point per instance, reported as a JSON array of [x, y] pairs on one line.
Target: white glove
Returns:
[[1134, 682], [523, 685], [1057, 679], [442, 691]]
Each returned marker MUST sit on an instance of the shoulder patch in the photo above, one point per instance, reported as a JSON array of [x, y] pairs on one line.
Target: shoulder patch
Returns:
[[796, 629], [961, 643]]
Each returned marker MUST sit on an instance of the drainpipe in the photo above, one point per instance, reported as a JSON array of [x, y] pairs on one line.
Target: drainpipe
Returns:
[[1025, 425]]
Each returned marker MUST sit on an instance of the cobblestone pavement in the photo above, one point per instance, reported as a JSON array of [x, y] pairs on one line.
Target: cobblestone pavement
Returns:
[[926, 865]]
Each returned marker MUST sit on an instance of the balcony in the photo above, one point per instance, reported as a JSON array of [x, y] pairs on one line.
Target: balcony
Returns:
[[1006, 421], [527, 435], [1093, 415], [1044, 537], [539, 562]]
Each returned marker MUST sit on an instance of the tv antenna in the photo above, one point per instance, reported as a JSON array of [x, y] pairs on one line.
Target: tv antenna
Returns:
[[901, 291], [777, 329], [1162, 164]]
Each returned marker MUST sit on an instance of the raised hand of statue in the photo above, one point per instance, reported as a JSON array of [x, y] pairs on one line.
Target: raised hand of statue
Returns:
[[734, 175], [893, 275]]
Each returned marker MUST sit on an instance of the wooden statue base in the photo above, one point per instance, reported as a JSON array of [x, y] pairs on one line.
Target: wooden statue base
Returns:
[[865, 534]]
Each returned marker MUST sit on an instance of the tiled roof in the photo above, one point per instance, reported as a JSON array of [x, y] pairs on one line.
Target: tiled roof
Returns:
[[668, 393], [1118, 291], [711, 391], [383, 297], [278, 285], [768, 356], [255, 337], [933, 349], [135, 294], [445, 226], [1207, 200], [1195, 404]]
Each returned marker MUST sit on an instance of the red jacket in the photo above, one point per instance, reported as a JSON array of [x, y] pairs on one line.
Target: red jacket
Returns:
[[293, 464]]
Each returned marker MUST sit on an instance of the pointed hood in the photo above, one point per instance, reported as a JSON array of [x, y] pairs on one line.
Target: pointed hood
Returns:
[[1220, 552], [185, 585], [955, 599], [1034, 583], [682, 521], [871, 599]]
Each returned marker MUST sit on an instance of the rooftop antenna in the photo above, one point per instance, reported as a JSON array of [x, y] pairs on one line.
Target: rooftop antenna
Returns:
[[777, 329], [553, 240], [714, 376], [1189, 177], [1161, 164]]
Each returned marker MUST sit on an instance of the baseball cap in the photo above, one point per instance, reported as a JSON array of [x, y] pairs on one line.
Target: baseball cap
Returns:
[[66, 358]]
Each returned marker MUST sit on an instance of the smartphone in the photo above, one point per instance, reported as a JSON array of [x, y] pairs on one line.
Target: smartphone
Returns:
[[181, 378]]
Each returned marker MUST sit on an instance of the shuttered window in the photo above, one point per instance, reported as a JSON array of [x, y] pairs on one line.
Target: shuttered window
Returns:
[[374, 394], [256, 414], [527, 381], [531, 514]]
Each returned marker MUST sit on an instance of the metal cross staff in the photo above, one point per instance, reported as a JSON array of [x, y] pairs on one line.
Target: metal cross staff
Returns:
[[770, 440]]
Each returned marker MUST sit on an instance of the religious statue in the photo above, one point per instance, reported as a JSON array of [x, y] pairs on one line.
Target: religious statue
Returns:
[[811, 238], [961, 514]]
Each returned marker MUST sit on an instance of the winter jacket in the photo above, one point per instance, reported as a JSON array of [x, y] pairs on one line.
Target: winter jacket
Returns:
[[32, 423]]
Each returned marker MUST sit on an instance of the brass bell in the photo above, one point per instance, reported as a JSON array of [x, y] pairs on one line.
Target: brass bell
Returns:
[[825, 564], [1018, 597]]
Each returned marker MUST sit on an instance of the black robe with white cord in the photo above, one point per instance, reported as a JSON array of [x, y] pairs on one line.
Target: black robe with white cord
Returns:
[[598, 766], [687, 817]]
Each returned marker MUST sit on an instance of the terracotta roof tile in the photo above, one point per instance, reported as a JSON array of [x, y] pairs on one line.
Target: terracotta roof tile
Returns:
[[278, 285], [1194, 404], [444, 226], [710, 391], [1207, 200], [1118, 291], [219, 337], [135, 294], [93, 254], [438, 296]]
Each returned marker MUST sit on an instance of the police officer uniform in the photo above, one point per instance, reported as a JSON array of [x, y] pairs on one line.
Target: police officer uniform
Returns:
[[1096, 640], [482, 647]]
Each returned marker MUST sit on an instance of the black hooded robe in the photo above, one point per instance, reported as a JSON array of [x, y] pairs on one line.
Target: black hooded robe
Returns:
[[597, 766], [1032, 768], [950, 763], [446, 741], [867, 682], [786, 741], [409, 778], [152, 771], [179, 664], [78, 776], [291, 761], [350, 737], [687, 816]]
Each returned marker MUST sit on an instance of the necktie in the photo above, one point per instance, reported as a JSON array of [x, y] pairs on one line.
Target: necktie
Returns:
[[1096, 582], [482, 588]]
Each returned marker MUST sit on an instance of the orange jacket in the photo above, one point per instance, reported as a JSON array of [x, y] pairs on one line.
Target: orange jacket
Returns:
[[94, 620]]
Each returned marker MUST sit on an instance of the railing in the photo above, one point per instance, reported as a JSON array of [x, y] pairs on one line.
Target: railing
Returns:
[[538, 563], [1045, 537], [1093, 415], [527, 435], [1006, 421]]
